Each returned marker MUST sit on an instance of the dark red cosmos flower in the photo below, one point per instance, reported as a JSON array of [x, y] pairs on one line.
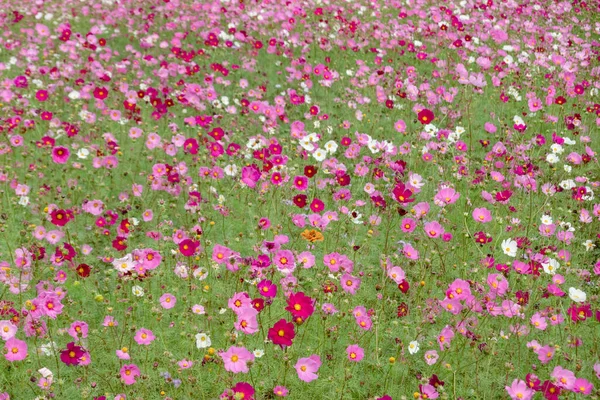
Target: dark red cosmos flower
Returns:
[[378, 201], [533, 382], [258, 304], [310, 171], [71, 354], [317, 205], [402, 194], [550, 390], [435, 381], [403, 286], [482, 238], [83, 270], [188, 247], [60, 217], [300, 200], [282, 333], [402, 310], [425, 116], [522, 297], [300, 305]]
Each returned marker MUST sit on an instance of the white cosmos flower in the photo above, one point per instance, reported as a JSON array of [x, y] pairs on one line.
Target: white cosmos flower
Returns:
[[258, 353], [546, 219], [231, 170], [331, 146], [551, 266], [137, 291], [577, 295], [124, 264], [509, 247], [319, 154], [552, 158], [413, 347], [202, 341], [83, 153]]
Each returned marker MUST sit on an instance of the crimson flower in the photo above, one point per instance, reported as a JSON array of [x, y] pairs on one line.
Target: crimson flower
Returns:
[[402, 193], [300, 305], [71, 354], [60, 217], [188, 247], [282, 333], [425, 116]]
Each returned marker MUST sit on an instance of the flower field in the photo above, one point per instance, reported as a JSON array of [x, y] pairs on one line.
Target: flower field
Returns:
[[328, 199]]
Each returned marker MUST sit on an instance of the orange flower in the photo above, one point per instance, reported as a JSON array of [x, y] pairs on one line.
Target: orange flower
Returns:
[[312, 235]]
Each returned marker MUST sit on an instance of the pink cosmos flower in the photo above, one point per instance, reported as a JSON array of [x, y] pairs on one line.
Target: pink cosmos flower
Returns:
[[60, 155], [428, 392], [446, 196], [545, 354], [538, 321], [167, 301], [519, 390], [247, 321], [431, 357], [15, 349], [7, 330], [563, 377], [350, 283], [445, 337], [250, 175], [144, 337], [110, 321], [78, 329], [280, 391], [433, 229], [236, 359], [129, 372], [307, 368], [482, 215], [185, 364], [355, 353], [408, 225], [123, 353]]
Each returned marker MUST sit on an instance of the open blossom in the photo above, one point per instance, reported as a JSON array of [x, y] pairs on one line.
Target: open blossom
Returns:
[[519, 390], [15, 349], [509, 247], [307, 368], [129, 372], [236, 359], [144, 337]]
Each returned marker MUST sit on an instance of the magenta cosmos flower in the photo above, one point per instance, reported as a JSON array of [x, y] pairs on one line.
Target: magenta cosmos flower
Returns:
[[16, 350], [72, 354], [250, 175], [129, 372], [60, 155], [188, 247], [167, 301], [307, 368], [144, 336], [236, 359], [266, 288], [355, 353]]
